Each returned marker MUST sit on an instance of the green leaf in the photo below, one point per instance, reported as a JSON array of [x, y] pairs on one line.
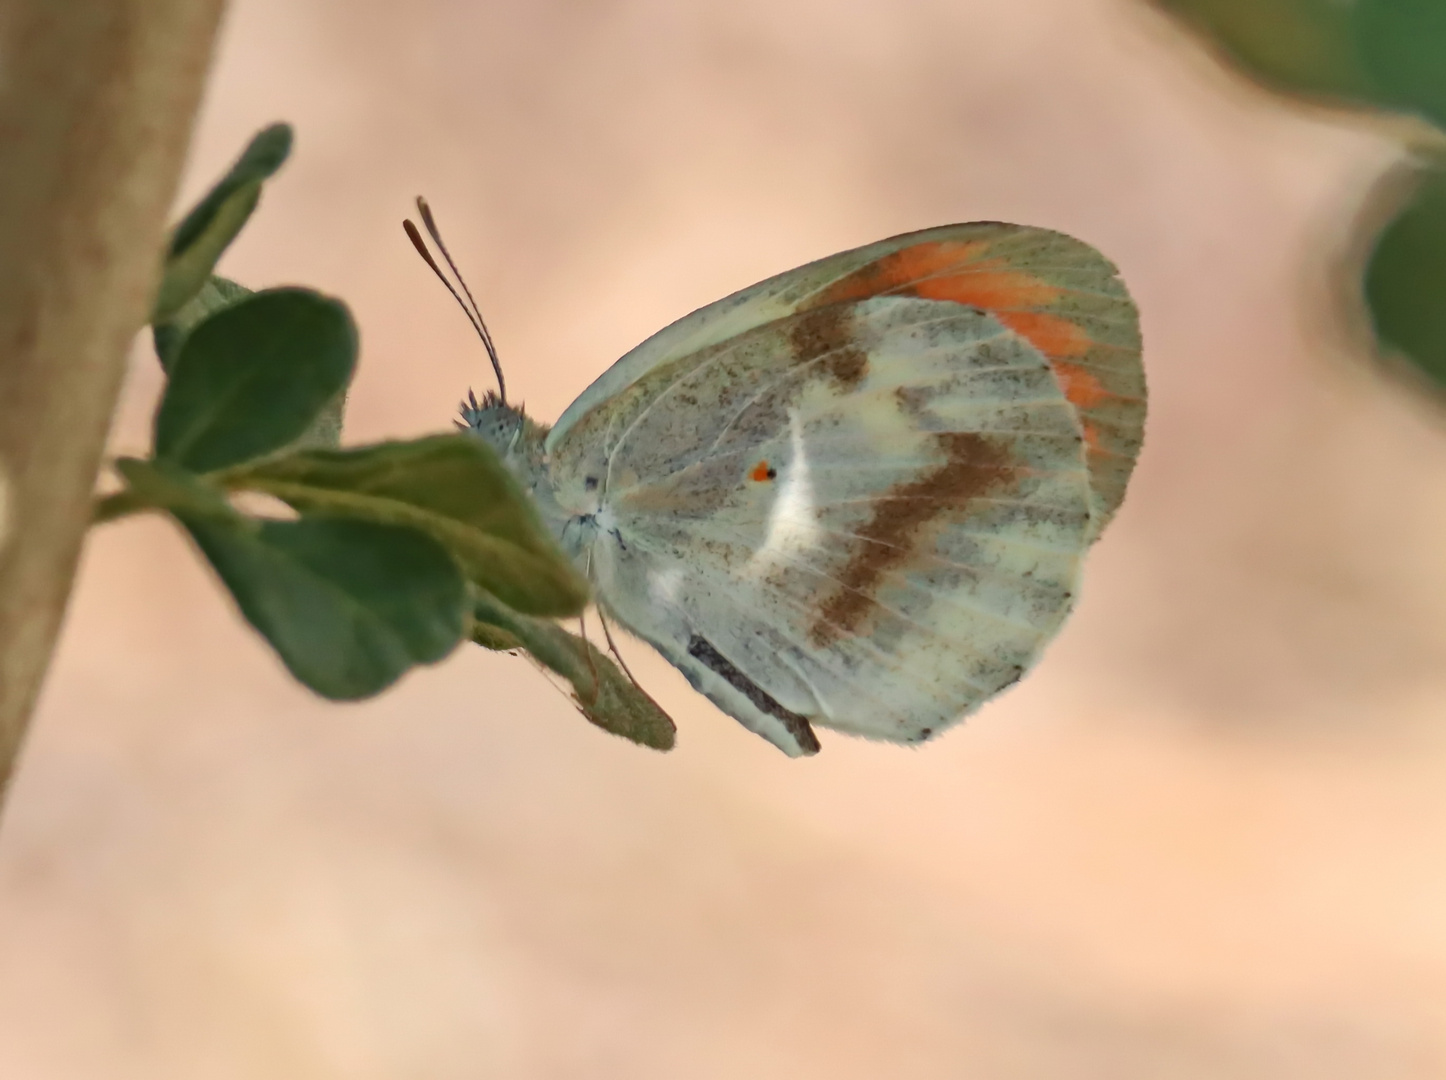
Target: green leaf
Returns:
[[204, 233], [1402, 44], [453, 487], [348, 605], [253, 377], [218, 293], [1405, 280], [215, 294], [602, 693]]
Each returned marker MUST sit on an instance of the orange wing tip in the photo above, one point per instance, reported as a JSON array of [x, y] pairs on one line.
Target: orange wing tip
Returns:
[[1083, 390], [1051, 335], [900, 269], [956, 271], [992, 290]]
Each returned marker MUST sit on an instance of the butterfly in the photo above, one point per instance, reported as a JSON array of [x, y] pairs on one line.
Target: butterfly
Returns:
[[856, 495]]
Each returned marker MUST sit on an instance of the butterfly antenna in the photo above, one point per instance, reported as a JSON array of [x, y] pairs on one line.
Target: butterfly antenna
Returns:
[[431, 223], [473, 313]]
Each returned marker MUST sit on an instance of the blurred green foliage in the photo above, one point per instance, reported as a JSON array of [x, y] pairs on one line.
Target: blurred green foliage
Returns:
[[1295, 46], [1376, 54], [1405, 279]]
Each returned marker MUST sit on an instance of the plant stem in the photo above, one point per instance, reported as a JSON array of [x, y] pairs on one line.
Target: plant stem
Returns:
[[96, 107]]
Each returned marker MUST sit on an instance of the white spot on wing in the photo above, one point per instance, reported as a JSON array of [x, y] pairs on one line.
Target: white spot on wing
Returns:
[[792, 526], [664, 585]]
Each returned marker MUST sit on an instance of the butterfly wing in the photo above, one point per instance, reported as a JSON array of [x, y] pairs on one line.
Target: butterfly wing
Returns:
[[1059, 294], [867, 514]]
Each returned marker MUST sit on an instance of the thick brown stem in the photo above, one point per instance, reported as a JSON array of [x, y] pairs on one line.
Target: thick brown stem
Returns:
[[97, 98]]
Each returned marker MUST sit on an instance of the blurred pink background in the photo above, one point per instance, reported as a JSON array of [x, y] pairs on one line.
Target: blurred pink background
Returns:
[[1205, 839]]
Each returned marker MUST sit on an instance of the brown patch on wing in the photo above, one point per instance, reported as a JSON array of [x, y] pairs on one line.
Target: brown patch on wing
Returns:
[[974, 466], [828, 335]]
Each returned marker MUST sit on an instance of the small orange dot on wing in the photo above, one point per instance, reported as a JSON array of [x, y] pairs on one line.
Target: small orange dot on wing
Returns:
[[762, 472]]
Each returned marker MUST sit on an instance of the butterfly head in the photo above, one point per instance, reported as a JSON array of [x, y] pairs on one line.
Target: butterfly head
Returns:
[[515, 436], [519, 441], [494, 421]]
